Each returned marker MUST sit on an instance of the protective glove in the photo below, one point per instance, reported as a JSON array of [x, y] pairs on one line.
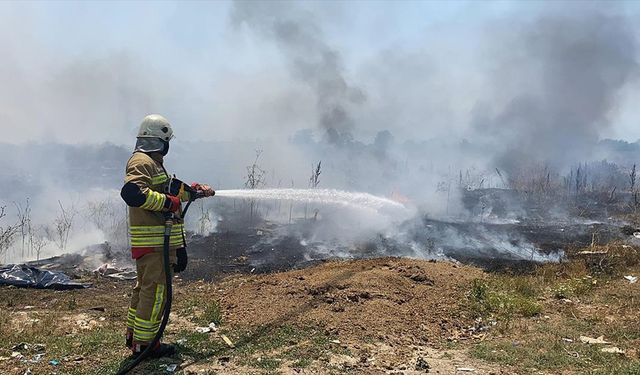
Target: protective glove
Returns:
[[181, 265], [206, 190], [172, 203]]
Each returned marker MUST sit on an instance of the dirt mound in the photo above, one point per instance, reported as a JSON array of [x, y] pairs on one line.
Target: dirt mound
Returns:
[[421, 300]]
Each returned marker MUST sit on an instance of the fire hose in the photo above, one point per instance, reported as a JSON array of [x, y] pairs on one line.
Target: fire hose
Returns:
[[170, 218]]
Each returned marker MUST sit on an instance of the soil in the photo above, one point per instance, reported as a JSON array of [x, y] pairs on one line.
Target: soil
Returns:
[[359, 298], [392, 315]]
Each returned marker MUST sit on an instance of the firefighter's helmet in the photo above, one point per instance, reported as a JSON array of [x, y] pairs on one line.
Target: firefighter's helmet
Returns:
[[155, 126]]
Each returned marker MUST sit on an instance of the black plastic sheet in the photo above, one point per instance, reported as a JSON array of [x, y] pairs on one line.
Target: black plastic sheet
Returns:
[[24, 276]]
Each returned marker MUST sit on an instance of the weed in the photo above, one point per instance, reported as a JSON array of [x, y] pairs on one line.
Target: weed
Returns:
[[265, 363], [72, 304], [573, 288], [505, 301], [302, 362], [213, 313]]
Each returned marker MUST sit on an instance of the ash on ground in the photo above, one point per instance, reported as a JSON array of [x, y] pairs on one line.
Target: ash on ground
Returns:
[[502, 229]]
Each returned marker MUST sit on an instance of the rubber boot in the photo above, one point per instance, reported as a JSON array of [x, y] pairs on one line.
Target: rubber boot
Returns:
[[129, 338], [160, 350]]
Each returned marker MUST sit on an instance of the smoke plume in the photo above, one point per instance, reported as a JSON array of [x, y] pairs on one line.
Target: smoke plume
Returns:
[[393, 103], [310, 59], [558, 77]]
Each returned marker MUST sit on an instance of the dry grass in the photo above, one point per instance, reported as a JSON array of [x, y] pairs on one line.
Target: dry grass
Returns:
[[585, 296], [538, 317]]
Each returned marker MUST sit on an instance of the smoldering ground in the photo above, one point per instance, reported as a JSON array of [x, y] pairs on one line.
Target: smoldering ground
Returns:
[[407, 120]]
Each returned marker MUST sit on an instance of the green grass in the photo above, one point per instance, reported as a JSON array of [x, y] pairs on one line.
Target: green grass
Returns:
[[550, 354], [632, 368], [572, 288], [504, 301], [201, 313], [212, 313], [263, 347]]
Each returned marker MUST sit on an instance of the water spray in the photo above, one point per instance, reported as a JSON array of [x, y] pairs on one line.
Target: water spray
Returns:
[[322, 196]]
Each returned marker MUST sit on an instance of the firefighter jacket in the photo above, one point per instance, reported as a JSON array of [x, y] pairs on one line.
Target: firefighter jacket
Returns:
[[146, 182]]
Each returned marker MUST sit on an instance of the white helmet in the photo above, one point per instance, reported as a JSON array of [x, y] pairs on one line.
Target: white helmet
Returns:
[[155, 126]]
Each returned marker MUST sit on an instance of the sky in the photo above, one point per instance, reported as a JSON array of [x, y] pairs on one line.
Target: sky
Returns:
[[514, 85], [87, 72]]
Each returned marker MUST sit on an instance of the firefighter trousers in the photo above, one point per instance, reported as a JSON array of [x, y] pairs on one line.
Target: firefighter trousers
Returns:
[[148, 297]]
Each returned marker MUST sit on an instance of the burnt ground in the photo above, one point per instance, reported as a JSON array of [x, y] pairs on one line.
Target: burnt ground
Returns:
[[516, 246], [502, 229]]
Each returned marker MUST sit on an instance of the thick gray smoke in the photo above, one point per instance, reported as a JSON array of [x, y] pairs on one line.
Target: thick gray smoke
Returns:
[[420, 111], [558, 78], [310, 59]]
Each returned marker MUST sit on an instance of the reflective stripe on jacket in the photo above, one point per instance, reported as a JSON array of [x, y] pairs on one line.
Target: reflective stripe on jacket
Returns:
[[146, 223]]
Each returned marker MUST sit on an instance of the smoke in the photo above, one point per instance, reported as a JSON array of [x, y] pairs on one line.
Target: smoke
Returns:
[[558, 78], [310, 59], [421, 113]]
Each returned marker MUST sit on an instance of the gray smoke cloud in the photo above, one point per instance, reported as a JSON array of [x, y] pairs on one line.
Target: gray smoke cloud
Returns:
[[421, 118], [311, 60], [558, 78]]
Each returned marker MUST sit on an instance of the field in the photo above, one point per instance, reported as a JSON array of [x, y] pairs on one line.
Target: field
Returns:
[[377, 316]]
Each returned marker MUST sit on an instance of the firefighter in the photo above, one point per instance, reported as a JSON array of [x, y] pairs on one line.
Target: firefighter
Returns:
[[150, 192]]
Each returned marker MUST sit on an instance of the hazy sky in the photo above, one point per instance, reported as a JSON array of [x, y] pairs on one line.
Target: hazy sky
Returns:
[[89, 71]]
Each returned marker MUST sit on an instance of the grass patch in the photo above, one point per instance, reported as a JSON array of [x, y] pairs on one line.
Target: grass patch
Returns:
[[550, 354], [504, 300], [603, 304], [572, 288], [213, 313], [264, 347], [265, 363], [202, 313], [301, 345], [632, 368]]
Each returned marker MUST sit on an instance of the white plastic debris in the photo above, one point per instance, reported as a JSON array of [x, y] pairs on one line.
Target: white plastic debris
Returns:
[[466, 369], [37, 358], [16, 355], [636, 234], [108, 270], [566, 339], [213, 327], [612, 350], [631, 279], [203, 329], [591, 340]]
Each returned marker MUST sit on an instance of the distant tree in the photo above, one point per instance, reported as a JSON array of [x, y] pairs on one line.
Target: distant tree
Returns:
[[24, 223], [314, 181], [255, 179], [62, 226], [6, 233]]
